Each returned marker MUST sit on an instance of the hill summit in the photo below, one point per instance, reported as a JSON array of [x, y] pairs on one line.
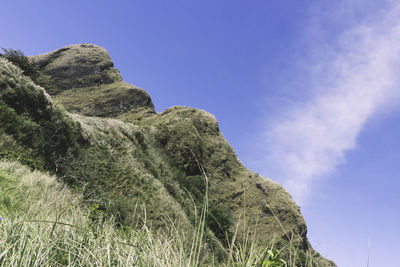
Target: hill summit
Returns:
[[102, 137], [87, 70]]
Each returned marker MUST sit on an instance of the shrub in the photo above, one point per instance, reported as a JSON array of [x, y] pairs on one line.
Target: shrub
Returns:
[[18, 58], [33, 121]]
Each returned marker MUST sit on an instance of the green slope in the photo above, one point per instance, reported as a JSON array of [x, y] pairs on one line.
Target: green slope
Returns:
[[139, 166]]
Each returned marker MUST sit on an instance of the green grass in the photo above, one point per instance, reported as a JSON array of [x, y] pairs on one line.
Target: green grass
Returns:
[[44, 224]]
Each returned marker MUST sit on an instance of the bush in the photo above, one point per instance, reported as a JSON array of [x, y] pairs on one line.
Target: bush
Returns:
[[18, 58]]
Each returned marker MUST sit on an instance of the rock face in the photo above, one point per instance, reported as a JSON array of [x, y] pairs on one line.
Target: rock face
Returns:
[[87, 70]]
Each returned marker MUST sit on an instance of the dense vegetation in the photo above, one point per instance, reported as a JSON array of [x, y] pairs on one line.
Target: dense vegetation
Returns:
[[141, 182], [41, 130]]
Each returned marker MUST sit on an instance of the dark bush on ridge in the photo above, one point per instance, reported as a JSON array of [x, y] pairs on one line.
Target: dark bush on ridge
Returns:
[[18, 58]]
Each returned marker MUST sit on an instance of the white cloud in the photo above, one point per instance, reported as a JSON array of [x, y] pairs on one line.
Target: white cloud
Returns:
[[360, 78]]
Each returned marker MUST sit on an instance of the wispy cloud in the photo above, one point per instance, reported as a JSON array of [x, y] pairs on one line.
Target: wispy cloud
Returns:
[[361, 77]]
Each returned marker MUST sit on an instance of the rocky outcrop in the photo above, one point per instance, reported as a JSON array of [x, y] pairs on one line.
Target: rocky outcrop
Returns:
[[87, 70], [76, 66]]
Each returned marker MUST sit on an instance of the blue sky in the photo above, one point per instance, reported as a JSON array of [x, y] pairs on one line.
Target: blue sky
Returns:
[[306, 92]]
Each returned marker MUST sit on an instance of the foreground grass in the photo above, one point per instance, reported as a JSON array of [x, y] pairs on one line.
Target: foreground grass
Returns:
[[44, 224]]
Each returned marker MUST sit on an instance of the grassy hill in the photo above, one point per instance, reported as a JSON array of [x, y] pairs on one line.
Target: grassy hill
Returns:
[[130, 168]]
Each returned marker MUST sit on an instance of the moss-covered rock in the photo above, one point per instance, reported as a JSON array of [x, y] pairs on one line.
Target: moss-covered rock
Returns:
[[87, 70]]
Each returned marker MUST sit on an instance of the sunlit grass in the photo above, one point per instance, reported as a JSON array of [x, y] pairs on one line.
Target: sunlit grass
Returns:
[[44, 224]]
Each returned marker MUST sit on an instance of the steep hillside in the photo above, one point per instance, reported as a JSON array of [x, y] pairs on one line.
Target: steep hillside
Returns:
[[136, 163]]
